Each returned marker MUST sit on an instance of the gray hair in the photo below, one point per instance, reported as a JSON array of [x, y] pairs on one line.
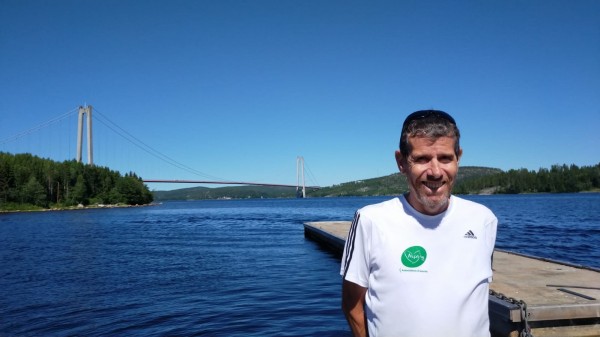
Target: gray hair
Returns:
[[430, 124]]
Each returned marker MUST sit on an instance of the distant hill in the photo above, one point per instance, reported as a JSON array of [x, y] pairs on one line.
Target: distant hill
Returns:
[[558, 179], [231, 192], [392, 184]]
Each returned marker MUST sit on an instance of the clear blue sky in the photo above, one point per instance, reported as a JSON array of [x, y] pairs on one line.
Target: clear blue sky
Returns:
[[238, 89]]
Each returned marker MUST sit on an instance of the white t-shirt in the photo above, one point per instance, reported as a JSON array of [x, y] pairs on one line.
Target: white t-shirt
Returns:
[[427, 276]]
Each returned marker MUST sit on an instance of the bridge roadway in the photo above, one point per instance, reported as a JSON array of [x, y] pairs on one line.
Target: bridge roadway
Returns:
[[223, 183]]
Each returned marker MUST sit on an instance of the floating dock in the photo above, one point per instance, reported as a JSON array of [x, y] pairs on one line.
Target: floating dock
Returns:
[[549, 298]]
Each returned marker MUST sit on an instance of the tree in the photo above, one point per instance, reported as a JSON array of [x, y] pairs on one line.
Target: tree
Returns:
[[5, 180], [79, 192], [27, 179], [33, 193], [133, 190]]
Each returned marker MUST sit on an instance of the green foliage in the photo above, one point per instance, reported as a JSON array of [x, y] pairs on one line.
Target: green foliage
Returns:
[[30, 182], [132, 190], [557, 179], [79, 192], [33, 193], [233, 192], [392, 184]]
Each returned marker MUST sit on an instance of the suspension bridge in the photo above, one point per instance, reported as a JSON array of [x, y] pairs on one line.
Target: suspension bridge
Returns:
[[64, 137]]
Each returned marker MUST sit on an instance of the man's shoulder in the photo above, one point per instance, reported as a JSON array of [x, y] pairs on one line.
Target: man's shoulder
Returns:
[[380, 207], [462, 204], [379, 215]]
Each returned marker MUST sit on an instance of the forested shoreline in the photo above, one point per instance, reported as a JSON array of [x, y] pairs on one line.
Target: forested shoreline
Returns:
[[470, 180], [557, 179], [484, 180], [31, 182], [28, 182]]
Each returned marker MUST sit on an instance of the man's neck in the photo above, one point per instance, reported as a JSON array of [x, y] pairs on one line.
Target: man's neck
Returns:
[[423, 208]]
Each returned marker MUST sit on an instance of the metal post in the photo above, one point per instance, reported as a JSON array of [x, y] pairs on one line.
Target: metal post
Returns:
[[87, 111], [300, 173], [80, 133], [303, 182], [89, 136]]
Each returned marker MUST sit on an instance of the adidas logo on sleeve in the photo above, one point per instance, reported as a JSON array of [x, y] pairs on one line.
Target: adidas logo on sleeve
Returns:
[[470, 235]]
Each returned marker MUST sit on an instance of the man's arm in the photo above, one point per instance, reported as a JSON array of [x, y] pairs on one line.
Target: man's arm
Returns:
[[353, 301]]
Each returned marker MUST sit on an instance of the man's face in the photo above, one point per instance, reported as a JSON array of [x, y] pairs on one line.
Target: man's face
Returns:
[[430, 169]]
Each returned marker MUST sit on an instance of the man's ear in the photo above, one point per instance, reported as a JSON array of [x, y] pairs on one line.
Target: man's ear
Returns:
[[460, 152], [400, 162]]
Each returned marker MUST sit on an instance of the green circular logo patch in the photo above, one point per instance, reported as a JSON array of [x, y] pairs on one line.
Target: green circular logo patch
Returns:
[[414, 256]]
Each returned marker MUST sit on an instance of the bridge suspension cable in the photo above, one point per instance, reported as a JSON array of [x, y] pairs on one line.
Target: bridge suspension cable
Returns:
[[43, 125], [147, 148], [114, 127], [311, 176]]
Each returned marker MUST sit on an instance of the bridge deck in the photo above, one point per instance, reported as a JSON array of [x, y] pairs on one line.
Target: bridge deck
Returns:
[[572, 311], [212, 182]]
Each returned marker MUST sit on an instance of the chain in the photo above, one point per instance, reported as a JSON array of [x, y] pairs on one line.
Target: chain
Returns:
[[526, 330]]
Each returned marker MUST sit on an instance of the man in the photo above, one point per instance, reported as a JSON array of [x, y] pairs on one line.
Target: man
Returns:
[[420, 264]]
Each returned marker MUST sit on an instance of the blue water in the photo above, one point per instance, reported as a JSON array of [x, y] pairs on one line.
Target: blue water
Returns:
[[222, 268]]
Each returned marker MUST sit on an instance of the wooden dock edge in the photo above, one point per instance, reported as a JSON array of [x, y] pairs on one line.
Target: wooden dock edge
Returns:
[[332, 242], [564, 263], [505, 317]]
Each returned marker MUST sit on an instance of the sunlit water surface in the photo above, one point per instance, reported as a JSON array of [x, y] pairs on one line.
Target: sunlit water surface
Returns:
[[222, 268]]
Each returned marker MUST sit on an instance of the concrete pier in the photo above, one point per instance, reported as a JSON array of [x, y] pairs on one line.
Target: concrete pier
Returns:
[[561, 299]]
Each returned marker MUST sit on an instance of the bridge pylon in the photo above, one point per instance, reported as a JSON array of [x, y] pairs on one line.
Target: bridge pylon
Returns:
[[300, 176], [85, 112]]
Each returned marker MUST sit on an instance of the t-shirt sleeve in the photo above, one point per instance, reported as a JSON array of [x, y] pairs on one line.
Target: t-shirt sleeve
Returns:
[[355, 258], [491, 229]]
